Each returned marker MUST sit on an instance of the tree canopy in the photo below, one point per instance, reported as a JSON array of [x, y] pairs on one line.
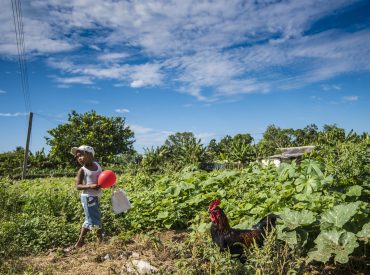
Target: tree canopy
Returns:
[[110, 136]]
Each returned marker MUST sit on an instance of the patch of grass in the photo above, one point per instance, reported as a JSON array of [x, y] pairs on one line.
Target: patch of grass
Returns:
[[201, 256]]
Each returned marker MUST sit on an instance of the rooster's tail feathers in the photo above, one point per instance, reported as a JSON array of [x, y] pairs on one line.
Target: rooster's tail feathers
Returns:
[[266, 223]]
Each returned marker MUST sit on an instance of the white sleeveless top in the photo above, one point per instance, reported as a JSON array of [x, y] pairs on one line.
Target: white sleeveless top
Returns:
[[91, 177]]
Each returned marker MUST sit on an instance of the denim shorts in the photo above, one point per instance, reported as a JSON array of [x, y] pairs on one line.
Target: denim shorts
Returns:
[[91, 206]]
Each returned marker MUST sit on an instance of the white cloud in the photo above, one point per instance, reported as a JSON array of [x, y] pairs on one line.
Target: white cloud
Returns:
[[94, 47], [327, 87], [207, 49], [63, 86], [138, 129], [205, 137], [13, 114], [148, 137], [137, 83], [137, 75], [113, 56], [314, 97], [74, 80], [246, 86], [3, 92], [145, 75], [122, 110], [40, 36], [350, 98]]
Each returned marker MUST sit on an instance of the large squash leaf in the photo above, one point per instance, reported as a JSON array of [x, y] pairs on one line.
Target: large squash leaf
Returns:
[[338, 243], [290, 237], [364, 234], [292, 219], [339, 214]]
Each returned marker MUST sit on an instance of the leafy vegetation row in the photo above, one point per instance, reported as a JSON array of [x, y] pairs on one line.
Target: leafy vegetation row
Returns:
[[321, 218]]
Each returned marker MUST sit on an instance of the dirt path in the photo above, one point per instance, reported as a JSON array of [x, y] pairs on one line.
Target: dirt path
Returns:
[[141, 254]]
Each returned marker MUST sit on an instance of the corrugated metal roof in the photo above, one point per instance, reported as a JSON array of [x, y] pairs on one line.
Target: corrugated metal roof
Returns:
[[293, 152]]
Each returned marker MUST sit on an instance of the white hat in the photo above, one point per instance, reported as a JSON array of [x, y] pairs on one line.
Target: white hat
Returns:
[[84, 148]]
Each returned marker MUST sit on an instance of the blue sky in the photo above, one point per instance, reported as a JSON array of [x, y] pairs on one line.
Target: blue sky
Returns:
[[210, 67]]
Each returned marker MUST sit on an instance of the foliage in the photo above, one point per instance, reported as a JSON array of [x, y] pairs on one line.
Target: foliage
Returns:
[[233, 149], [184, 149], [154, 159], [344, 155], [348, 162], [317, 219], [11, 163], [306, 136], [179, 150], [322, 202], [273, 138], [110, 136]]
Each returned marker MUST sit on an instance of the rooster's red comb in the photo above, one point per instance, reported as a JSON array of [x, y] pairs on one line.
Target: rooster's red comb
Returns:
[[214, 204]]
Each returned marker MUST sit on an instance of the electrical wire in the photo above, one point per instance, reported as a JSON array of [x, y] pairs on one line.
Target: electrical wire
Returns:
[[49, 118], [19, 34]]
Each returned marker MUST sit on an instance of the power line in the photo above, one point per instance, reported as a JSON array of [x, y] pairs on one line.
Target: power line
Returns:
[[49, 118], [19, 34]]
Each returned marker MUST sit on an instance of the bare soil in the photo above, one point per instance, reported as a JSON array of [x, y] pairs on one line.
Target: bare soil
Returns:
[[111, 257], [158, 250]]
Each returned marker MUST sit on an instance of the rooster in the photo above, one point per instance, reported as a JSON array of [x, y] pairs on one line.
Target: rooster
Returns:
[[235, 240]]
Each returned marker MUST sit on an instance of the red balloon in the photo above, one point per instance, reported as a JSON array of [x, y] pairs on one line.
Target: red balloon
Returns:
[[106, 179]]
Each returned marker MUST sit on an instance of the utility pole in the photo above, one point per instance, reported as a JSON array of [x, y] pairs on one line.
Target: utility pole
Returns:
[[27, 146]]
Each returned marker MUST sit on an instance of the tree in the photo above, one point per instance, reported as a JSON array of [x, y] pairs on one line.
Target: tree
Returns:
[[273, 138], [109, 136], [306, 136], [213, 151], [154, 159], [184, 149], [241, 149], [238, 148]]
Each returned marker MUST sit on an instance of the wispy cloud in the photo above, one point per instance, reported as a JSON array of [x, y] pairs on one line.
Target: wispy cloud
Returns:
[[113, 56], [122, 110], [13, 114], [145, 75], [3, 92], [205, 137], [327, 87], [148, 137], [136, 76], [138, 129], [95, 102], [74, 80], [40, 35], [63, 86], [206, 49], [350, 98]]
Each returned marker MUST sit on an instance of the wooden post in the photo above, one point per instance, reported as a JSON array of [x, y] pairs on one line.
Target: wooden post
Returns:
[[27, 146]]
